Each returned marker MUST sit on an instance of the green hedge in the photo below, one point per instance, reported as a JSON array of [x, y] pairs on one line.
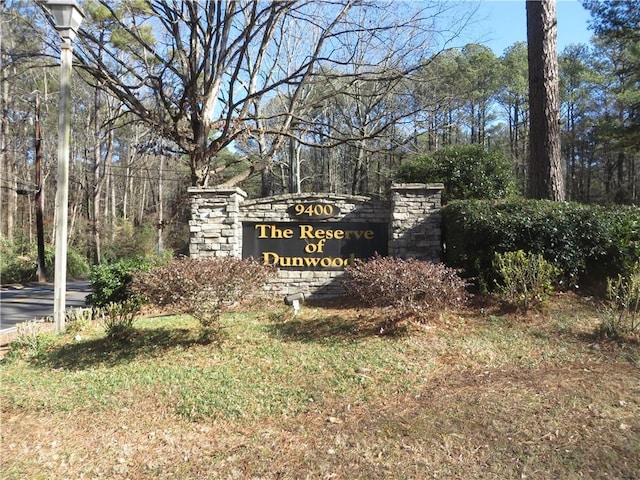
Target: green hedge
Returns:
[[587, 242]]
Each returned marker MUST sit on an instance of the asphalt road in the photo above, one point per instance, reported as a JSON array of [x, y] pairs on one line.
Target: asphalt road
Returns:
[[35, 301]]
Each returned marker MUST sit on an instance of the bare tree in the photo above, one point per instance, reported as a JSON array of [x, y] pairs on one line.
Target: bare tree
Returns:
[[193, 69], [545, 168], [200, 72]]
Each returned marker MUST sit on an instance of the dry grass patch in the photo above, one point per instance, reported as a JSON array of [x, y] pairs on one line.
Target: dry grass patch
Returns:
[[323, 395]]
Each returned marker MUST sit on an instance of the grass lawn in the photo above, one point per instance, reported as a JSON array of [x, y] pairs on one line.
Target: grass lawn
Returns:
[[323, 395]]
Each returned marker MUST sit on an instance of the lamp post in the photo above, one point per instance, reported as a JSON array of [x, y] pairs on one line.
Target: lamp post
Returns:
[[67, 19]]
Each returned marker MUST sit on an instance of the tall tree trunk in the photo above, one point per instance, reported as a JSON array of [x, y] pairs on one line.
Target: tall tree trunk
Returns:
[[160, 205], [266, 182], [545, 167], [143, 201], [473, 123], [39, 197], [633, 185], [357, 181], [572, 187], [3, 125], [608, 178], [96, 183], [294, 167], [114, 201], [10, 206], [128, 187], [4, 138], [621, 194]]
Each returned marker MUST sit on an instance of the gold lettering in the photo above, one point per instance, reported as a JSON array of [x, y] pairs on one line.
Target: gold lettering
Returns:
[[306, 231], [271, 231], [311, 261], [267, 255], [262, 229], [273, 259], [285, 262]]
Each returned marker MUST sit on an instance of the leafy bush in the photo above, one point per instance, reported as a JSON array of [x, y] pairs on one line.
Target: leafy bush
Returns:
[[622, 308], [77, 264], [467, 171], [624, 250], [130, 242], [20, 263], [119, 318], [586, 242], [19, 269], [409, 288], [16, 263], [524, 279], [109, 281], [202, 288]]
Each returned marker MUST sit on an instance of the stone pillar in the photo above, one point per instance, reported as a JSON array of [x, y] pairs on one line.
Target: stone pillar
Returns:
[[215, 227], [415, 221]]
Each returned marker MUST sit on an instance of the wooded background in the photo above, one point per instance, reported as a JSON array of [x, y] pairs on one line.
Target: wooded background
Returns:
[[277, 97]]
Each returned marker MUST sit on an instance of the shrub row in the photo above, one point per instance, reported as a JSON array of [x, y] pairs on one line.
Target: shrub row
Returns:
[[587, 243]]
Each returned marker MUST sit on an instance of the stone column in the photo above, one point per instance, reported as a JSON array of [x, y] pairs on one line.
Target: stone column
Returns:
[[215, 227], [415, 221]]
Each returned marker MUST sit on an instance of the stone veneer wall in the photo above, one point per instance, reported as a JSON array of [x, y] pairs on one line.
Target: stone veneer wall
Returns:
[[412, 213]]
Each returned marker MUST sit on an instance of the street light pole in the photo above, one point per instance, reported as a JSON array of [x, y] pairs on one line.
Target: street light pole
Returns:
[[67, 17], [62, 190]]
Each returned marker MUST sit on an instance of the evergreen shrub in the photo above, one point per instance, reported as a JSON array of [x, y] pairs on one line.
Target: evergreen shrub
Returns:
[[622, 306], [524, 279], [110, 281], [407, 288], [588, 243], [467, 171]]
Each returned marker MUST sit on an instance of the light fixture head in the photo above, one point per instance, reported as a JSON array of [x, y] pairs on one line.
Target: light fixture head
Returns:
[[67, 16]]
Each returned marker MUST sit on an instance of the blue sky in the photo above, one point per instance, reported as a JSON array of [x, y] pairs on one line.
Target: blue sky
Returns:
[[499, 24]]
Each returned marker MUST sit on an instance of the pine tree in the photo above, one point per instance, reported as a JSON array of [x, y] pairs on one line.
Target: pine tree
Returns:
[[545, 168]]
